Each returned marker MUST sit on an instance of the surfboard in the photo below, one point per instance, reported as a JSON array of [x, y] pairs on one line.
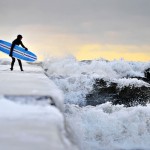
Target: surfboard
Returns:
[[18, 52]]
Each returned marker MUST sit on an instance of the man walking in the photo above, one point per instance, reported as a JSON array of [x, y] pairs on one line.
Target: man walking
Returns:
[[16, 42]]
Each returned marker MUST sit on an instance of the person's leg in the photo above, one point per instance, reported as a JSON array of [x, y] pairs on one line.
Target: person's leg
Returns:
[[20, 64], [12, 63]]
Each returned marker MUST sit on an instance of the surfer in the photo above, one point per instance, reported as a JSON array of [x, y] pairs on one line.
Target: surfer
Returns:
[[16, 42]]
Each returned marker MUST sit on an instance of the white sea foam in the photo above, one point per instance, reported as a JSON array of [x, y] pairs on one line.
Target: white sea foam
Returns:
[[105, 126], [110, 127], [76, 78], [113, 69]]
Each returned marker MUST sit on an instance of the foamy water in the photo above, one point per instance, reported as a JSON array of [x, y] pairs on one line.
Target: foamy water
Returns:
[[104, 126], [110, 127], [76, 78]]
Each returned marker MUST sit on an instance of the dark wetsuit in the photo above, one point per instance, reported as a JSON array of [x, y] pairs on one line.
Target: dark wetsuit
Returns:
[[16, 42]]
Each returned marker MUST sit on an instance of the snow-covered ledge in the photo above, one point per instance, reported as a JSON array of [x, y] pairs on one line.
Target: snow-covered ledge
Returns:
[[24, 124]]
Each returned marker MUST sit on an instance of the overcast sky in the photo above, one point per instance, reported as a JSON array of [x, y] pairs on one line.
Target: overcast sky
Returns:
[[68, 26]]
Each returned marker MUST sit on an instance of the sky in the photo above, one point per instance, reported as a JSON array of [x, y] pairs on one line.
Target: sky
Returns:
[[86, 29]]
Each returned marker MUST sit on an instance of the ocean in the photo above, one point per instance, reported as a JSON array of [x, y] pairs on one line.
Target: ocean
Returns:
[[99, 115]]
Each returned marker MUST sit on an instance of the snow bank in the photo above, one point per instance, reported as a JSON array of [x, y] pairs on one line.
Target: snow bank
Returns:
[[10, 109], [24, 123], [31, 82], [27, 126]]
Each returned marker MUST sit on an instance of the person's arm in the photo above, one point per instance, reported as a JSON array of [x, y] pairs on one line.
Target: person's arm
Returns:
[[11, 49], [23, 46]]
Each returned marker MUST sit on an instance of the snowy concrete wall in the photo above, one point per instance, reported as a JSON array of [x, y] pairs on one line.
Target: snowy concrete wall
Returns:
[[27, 118]]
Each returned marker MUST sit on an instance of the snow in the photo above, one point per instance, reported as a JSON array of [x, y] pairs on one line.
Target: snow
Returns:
[[31, 82], [25, 124], [30, 127]]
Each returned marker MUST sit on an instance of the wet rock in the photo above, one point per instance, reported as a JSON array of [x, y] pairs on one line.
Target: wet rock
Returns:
[[128, 95], [147, 74]]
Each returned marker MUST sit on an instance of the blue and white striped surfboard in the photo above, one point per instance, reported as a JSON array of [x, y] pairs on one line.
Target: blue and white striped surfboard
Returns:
[[18, 52]]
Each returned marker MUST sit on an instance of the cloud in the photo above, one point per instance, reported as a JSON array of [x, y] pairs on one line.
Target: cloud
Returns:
[[66, 25]]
